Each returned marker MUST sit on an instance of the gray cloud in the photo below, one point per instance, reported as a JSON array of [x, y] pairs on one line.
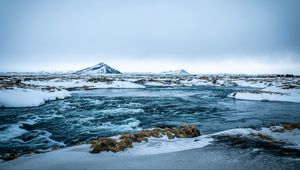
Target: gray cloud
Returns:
[[179, 30]]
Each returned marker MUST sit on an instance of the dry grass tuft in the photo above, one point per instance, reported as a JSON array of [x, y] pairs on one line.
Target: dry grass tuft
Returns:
[[291, 126], [127, 140]]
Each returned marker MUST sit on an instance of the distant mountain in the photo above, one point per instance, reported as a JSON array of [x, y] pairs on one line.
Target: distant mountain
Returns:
[[100, 68], [176, 72]]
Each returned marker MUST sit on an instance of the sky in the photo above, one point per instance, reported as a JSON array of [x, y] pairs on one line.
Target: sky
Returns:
[[200, 36]]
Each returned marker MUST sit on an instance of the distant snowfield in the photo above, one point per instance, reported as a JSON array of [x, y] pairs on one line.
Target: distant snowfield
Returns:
[[27, 93], [19, 97], [244, 83], [175, 72], [82, 83], [25, 97]]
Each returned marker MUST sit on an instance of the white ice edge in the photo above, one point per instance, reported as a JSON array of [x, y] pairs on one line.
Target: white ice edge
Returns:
[[286, 95], [19, 97], [128, 83]]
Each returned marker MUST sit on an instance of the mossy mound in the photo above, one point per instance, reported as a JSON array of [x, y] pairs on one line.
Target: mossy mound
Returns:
[[291, 126], [127, 140]]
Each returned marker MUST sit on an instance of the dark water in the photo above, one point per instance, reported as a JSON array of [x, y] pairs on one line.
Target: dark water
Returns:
[[107, 112]]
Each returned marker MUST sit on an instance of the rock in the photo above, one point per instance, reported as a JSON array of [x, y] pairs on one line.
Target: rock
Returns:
[[8, 156], [87, 88], [18, 81]]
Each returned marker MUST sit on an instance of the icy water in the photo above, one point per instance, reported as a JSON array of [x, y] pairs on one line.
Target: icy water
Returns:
[[108, 112]]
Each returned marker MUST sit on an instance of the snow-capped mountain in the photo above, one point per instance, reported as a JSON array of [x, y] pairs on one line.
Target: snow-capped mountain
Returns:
[[176, 72], [100, 68]]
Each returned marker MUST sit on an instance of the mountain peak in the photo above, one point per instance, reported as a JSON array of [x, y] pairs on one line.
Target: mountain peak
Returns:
[[176, 72], [101, 64], [100, 68]]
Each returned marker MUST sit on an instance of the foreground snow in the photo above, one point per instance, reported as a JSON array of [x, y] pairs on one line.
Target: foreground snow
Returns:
[[65, 158], [144, 154], [271, 93], [19, 97]]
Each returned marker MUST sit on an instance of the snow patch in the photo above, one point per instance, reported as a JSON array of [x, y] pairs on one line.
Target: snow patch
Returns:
[[19, 97], [272, 93], [254, 84], [83, 83], [165, 145], [154, 83]]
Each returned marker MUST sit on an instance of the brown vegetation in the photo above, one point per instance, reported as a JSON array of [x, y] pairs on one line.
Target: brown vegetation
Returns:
[[291, 126], [286, 126], [261, 92], [263, 136], [127, 140]]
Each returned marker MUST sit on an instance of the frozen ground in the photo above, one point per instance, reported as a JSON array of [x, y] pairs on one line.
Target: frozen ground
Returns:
[[85, 84], [15, 88]]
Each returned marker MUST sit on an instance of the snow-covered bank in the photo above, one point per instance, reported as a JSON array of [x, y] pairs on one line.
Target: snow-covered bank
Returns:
[[203, 158], [165, 153], [271, 93], [67, 157], [19, 97]]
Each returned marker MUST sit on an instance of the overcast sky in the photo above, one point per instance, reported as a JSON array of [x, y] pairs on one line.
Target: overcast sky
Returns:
[[213, 36]]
